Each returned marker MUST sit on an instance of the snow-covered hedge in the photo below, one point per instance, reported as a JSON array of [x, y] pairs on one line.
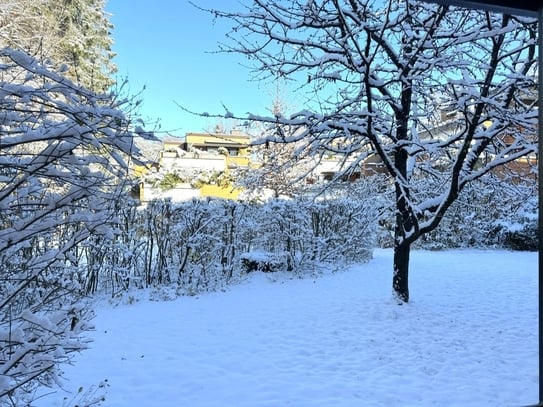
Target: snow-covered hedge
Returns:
[[489, 213], [203, 245], [200, 245]]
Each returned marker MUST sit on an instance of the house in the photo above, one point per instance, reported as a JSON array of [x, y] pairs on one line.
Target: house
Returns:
[[234, 146], [197, 165]]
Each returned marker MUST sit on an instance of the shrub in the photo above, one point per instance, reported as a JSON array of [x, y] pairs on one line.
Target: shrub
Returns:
[[526, 238]]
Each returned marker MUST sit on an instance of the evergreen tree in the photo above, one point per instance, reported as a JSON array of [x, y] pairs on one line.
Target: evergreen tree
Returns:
[[71, 34]]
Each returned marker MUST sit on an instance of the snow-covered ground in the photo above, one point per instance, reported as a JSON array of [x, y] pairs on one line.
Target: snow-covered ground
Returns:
[[468, 338]]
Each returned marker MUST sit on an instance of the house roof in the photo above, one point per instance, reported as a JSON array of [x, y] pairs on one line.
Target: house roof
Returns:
[[171, 139], [222, 143], [233, 135]]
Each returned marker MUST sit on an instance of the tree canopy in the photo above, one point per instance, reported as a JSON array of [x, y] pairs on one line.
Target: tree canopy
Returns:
[[438, 93]]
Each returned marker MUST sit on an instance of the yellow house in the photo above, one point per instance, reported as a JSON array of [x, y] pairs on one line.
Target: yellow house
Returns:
[[217, 191], [234, 145], [212, 153], [170, 143]]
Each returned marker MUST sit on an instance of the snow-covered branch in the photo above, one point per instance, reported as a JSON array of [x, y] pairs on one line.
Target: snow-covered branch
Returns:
[[415, 83], [64, 154]]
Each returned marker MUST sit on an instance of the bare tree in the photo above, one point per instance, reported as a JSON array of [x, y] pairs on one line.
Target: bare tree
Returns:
[[436, 92], [64, 152], [273, 173]]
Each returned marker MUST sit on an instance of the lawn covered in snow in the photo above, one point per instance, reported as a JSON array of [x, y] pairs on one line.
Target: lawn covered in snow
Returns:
[[467, 338]]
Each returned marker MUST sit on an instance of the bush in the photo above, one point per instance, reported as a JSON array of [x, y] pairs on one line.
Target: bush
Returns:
[[259, 261], [488, 213], [526, 238], [202, 245]]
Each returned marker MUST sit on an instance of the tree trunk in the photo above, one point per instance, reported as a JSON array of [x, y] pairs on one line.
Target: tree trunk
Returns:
[[402, 247], [400, 279], [404, 225]]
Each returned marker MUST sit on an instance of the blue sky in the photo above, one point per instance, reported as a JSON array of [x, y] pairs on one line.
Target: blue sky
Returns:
[[165, 46]]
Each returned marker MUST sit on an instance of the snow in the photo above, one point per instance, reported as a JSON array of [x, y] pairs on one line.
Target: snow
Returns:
[[467, 338]]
